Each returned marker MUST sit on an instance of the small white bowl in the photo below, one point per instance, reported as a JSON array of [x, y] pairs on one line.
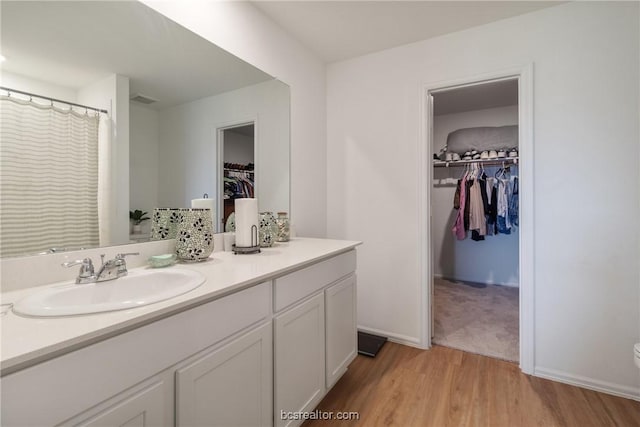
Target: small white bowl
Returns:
[[164, 260]]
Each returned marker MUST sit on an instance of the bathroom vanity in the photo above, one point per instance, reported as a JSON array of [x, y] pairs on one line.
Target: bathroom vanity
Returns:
[[266, 335]]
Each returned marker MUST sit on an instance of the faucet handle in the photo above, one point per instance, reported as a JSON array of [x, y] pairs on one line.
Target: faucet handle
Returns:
[[86, 263], [86, 268], [122, 264], [121, 256]]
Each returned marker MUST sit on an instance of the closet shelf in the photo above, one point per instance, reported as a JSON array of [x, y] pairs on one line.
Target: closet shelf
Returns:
[[488, 162], [238, 170]]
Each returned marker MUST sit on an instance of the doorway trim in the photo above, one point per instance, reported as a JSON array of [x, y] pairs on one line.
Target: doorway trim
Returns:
[[219, 138], [524, 74]]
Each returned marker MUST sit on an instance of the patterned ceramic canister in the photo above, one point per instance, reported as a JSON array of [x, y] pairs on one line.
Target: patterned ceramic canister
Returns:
[[268, 229], [164, 223], [283, 227], [194, 241], [230, 225]]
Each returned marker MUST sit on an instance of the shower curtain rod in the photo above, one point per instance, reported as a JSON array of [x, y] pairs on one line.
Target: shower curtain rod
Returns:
[[54, 100]]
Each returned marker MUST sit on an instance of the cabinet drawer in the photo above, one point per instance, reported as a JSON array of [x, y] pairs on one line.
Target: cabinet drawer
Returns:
[[296, 286]]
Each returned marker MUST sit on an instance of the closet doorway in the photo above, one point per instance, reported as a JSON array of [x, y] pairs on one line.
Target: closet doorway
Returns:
[[474, 219], [236, 167], [478, 295]]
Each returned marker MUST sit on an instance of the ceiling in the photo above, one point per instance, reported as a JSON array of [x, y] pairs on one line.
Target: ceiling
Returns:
[[76, 43], [501, 93], [337, 30]]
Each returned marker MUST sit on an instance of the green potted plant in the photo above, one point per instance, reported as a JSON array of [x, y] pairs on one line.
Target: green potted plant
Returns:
[[137, 217]]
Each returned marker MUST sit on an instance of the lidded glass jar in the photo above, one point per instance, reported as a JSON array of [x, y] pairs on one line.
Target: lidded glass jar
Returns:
[[268, 232], [283, 227]]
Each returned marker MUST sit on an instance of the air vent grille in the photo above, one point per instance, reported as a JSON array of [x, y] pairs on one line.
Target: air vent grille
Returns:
[[143, 99]]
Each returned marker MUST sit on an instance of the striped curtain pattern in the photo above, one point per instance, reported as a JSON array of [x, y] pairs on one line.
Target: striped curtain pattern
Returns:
[[48, 178]]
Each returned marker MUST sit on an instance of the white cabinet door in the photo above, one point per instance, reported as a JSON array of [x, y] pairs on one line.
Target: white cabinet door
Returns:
[[142, 406], [231, 386], [341, 320], [299, 365]]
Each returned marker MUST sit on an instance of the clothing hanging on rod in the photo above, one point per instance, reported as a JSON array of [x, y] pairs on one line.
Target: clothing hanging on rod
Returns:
[[238, 183], [486, 205]]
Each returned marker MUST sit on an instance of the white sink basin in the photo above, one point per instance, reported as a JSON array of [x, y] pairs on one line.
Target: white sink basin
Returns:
[[138, 288]]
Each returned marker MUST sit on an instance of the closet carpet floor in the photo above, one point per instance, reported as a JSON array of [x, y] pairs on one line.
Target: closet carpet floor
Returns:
[[477, 318]]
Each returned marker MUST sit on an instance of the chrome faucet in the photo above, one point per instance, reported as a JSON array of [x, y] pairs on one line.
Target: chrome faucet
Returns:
[[109, 270]]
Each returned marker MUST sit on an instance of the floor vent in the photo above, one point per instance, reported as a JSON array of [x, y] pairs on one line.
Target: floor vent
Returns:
[[369, 344]]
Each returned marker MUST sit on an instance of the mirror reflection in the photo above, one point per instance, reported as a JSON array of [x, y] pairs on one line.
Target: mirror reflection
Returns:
[[182, 118]]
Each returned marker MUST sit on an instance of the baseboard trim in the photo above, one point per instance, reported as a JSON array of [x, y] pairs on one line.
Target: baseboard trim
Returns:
[[632, 393], [396, 338], [484, 282]]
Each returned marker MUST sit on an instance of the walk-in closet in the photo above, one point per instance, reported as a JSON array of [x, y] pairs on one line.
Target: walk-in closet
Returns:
[[475, 217]]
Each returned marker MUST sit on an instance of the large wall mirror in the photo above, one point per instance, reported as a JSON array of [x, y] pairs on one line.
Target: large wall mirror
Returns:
[[178, 111]]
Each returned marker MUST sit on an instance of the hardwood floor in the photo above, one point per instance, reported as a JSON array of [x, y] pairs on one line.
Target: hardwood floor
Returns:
[[405, 386]]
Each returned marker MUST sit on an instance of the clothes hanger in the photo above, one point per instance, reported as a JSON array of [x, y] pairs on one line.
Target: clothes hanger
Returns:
[[464, 171]]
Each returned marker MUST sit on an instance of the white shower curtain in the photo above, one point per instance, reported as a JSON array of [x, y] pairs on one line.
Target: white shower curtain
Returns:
[[48, 177], [105, 194]]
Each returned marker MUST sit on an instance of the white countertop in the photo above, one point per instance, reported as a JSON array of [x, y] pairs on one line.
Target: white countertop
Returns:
[[26, 341]]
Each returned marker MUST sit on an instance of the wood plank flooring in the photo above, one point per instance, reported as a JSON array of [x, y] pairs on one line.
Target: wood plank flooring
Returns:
[[405, 386]]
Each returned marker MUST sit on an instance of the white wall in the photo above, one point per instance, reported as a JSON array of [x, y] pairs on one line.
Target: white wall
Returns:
[[112, 94], [144, 128], [39, 87], [586, 230], [188, 156], [238, 148], [242, 30], [493, 260]]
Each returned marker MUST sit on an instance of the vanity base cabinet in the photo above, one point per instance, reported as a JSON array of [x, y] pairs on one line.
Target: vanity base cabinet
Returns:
[[299, 360], [230, 386], [341, 324], [261, 356], [73, 385]]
